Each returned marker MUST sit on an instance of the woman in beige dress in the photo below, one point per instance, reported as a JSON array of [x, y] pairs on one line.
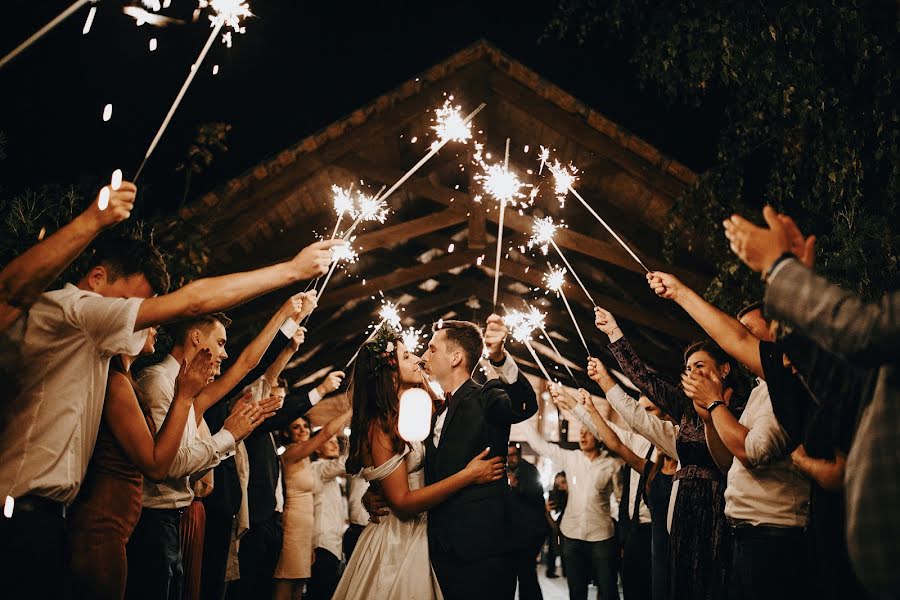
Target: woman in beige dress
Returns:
[[298, 519]]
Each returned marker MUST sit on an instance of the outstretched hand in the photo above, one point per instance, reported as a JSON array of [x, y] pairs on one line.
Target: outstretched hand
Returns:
[[759, 247], [116, 205], [314, 260], [606, 322], [665, 285]]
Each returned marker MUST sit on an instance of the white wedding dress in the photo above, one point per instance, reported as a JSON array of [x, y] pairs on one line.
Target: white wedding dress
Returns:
[[391, 560]]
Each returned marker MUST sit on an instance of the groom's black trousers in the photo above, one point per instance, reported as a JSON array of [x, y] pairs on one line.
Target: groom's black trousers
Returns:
[[490, 578]]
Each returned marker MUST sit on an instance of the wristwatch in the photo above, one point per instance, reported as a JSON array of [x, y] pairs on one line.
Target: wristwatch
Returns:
[[713, 406]]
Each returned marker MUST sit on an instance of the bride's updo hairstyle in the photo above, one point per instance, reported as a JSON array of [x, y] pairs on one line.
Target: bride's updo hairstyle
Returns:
[[374, 396]]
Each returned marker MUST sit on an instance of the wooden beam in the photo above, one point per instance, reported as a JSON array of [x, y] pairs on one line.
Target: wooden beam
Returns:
[[603, 250]]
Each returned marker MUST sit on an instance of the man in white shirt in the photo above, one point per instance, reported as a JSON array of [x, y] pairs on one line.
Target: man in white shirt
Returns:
[[70, 336], [589, 550], [330, 518]]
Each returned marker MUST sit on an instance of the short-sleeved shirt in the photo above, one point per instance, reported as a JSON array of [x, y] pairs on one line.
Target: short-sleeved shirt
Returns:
[[70, 336]]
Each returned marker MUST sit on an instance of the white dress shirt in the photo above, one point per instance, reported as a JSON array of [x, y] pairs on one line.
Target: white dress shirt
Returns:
[[508, 372], [772, 492], [329, 504], [637, 444], [70, 336], [587, 515], [195, 454]]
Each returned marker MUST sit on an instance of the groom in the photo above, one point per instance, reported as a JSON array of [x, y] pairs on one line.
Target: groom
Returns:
[[468, 534]]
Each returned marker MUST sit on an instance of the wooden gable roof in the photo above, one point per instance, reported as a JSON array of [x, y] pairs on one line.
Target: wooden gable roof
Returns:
[[268, 213]]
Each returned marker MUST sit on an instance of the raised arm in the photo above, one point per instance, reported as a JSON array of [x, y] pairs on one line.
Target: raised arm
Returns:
[[659, 431], [396, 485], [663, 394], [587, 413], [509, 399], [545, 448], [205, 296], [29, 274], [252, 354], [300, 450], [724, 329], [122, 412]]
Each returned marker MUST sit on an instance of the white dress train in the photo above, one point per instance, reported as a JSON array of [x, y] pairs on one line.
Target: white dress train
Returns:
[[391, 560]]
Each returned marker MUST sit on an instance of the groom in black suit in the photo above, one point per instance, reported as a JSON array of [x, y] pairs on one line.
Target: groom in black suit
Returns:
[[469, 534]]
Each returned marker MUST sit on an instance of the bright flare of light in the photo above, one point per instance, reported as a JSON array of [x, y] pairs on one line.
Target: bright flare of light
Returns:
[[153, 5], [103, 198], [228, 13], [501, 183], [555, 279], [412, 339], [152, 44], [521, 325], [8, 507], [543, 157], [542, 232], [564, 177], [371, 209], [107, 112], [116, 179], [89, 21], [343, 201], [389, 314], [414, 419], [450, 125], [344, 253], [436, 388]]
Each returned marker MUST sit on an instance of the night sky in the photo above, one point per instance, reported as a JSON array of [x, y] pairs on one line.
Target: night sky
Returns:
[[299, 67]]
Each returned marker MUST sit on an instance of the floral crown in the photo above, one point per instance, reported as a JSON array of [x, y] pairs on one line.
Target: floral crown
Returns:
[[383, 345]]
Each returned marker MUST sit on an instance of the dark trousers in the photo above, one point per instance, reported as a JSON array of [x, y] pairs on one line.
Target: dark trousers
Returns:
[[490, 578], [636, 569], [351, 537], [526, 574], [587, 560], [155, 570], [33, 554], [323, 578], [216, 544], [554, 549], [258, 557], [768, 563]]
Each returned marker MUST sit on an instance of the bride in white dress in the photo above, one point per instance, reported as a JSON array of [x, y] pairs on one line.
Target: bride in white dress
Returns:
[[391, 560]]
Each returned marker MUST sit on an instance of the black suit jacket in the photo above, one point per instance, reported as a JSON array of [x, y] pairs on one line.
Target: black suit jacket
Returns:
[[474, 523], [527, 515]]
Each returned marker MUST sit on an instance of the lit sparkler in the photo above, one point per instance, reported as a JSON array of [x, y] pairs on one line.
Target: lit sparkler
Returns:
[[343, 252], [555, 279], [368, 208], [504, 186], [521, 326], [448, 128], [226, 13], [73, 8], [564, 179], [390, 315], [543, 231], [412, 339], [538, 318]]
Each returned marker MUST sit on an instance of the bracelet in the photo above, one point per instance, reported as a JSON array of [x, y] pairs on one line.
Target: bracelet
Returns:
[[497, 364], [714, 405], [785, 256]]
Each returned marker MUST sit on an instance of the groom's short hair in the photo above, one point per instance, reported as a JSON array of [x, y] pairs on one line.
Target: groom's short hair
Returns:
[[466, 336]]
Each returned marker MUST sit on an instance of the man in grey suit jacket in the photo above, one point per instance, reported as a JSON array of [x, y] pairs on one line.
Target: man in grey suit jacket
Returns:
[[866, 334]]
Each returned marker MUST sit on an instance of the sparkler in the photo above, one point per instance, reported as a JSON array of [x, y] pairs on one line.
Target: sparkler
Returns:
[[450, 127], [504, 186], [564, 181], [555, 279], [538, 318], [227, 13], [390, 315], [543, 231], [412, 339], [369, 208], [46, 29], [521, 325], [340, 253]]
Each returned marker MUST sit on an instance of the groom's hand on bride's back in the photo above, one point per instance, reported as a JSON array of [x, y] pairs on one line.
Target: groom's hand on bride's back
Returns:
[[374, 503]]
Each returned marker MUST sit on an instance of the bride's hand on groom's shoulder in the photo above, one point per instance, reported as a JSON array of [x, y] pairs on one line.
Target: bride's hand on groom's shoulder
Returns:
[[485, 470]]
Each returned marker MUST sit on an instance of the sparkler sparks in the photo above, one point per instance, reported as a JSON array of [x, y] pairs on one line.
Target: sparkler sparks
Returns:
[[412, 339], [229, 13], [555, 279], [543, 157], [389, 314], [542, 232], [450, 125], [501, 183], [521, 325], [564, 177]]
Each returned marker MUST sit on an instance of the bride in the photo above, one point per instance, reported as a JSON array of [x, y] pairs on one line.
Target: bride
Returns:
[[391, 558]]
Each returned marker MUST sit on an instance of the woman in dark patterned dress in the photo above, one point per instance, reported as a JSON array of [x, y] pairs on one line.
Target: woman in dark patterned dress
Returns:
[[699, 541]]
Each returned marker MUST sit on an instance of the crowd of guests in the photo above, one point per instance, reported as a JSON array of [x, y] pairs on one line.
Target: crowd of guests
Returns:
[[769, 471]]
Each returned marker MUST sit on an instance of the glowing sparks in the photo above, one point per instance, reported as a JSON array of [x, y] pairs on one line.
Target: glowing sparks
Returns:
[[8, 507], [372, 209], [153, 5], [542, 232], [107, 113], [412, 339], [450, 125], [89, 21], [521, 324], [228, 13], [343, 252], [153, 44], [543, 157], [215, 69], [343, 202], [116, 179], [389, 314], [500, 183], [564, 177], [555, 279]]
